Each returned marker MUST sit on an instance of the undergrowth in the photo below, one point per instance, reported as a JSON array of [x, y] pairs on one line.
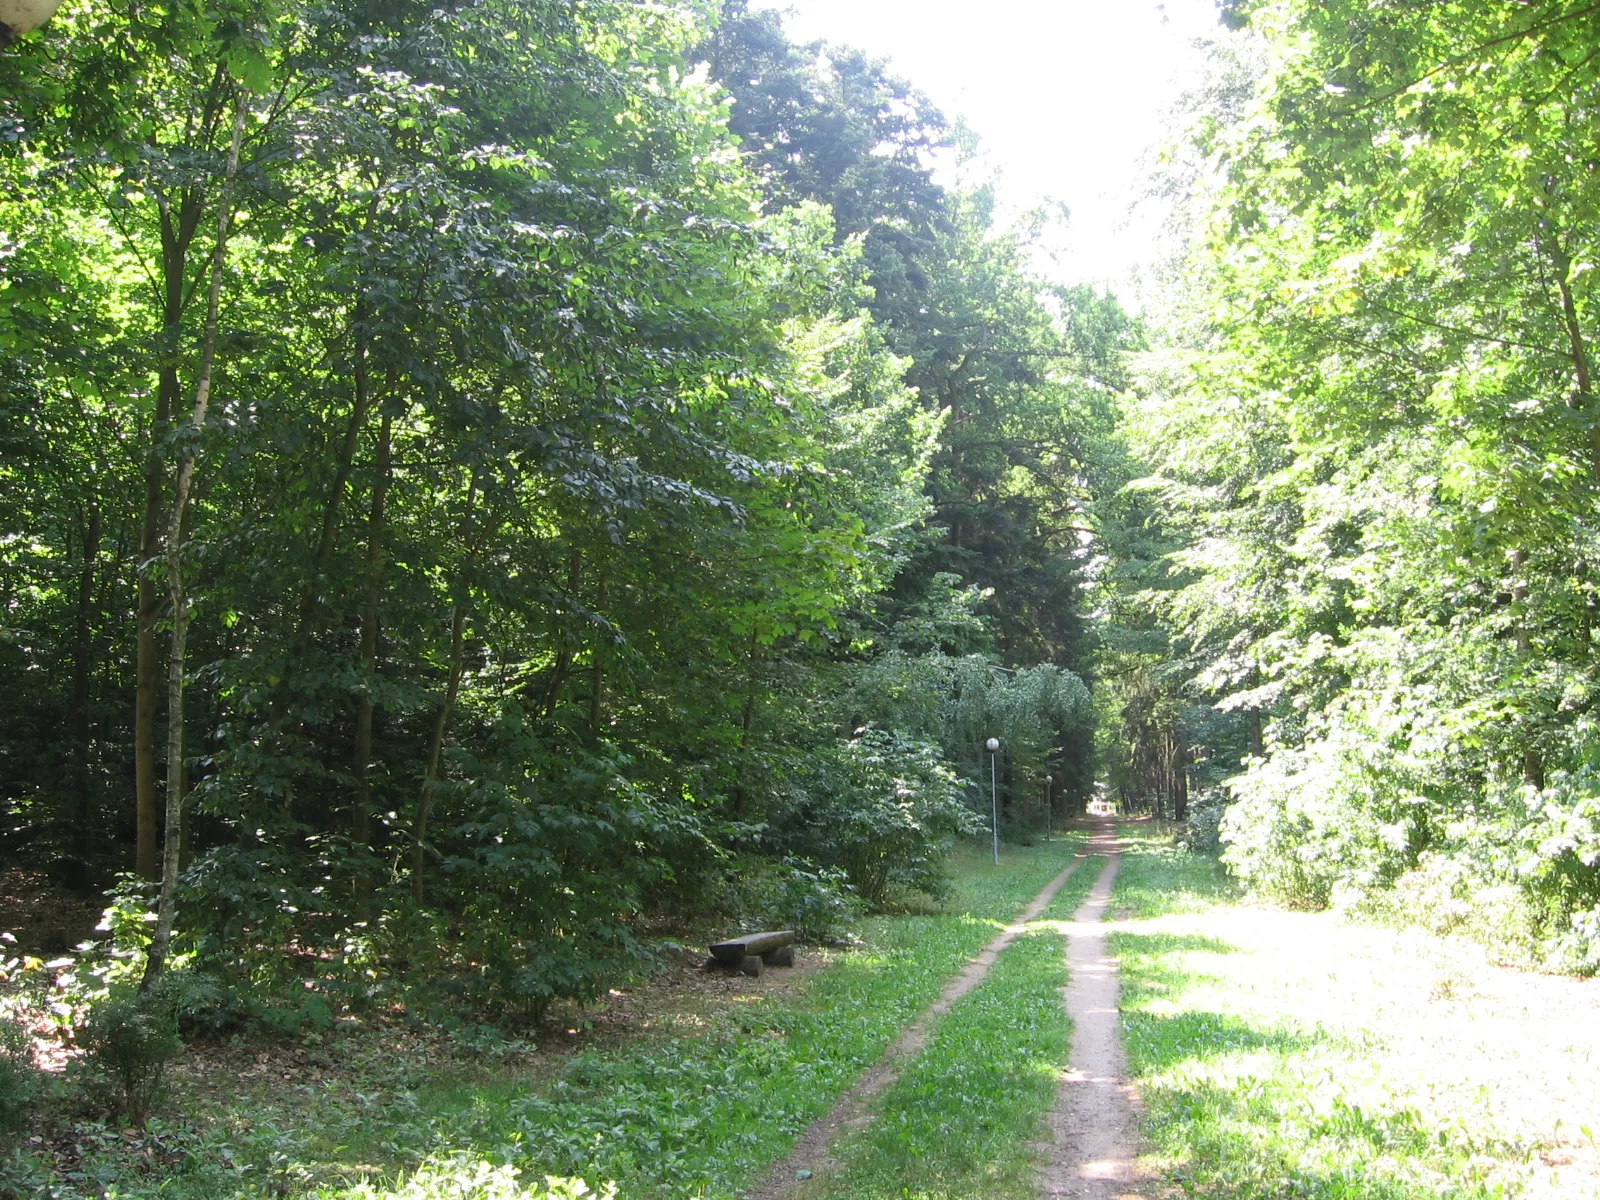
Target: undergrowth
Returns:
[[675, 1114]]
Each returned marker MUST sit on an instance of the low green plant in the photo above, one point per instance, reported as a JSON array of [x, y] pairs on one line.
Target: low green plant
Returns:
[[20, 1079], [1245, 1097], [462, 1175], [687, 1110], [1202, 825], [131, 1038]]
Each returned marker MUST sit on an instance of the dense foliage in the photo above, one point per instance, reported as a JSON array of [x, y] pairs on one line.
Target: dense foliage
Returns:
[[1361, 553], [522, 468]]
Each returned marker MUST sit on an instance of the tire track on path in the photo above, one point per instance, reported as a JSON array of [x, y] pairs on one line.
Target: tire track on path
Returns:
[[1093, 1152], [812, 1151]]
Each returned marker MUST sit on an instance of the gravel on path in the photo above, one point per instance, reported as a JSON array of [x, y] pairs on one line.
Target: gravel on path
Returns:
[[1093, 1148]]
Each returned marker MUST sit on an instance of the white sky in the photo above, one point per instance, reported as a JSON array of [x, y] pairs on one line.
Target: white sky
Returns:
[[1065, 94]]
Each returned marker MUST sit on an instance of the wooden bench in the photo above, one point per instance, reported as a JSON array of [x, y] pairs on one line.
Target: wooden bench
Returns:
[[753, 951]]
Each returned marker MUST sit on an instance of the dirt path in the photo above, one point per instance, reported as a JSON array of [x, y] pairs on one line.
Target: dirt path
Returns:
[[1093, 1150], [812, 1151]]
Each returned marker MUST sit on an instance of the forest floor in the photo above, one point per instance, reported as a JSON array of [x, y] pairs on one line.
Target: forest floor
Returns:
[[1268, 1054]]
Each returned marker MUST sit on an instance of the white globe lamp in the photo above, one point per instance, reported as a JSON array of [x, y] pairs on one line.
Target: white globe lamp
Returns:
[[18, 17]]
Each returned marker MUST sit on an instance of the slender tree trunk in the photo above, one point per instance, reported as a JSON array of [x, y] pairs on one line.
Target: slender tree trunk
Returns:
[[361, 808], [597, 691], [177, 599], [1582, 367], [1180, 804], [747, 725], [563, 666], [458, 625], [145, 673], [178, 229], [430, 778], [78, 709], [1532, 764], [322, 552]]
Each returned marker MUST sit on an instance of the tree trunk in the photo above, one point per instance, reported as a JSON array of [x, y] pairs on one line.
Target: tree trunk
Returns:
[[177, 600], [1582, 368], [597, 691], [178, 231], [323, 550], [458, 630], [361, 809], [1532, 764], [458, 625], [1180, 795], [145, 673], [78, 708], [551, 696], [746, 726]]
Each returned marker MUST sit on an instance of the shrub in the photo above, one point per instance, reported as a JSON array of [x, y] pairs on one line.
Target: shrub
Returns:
[[817, 902], [882, 808], [1202, 827], [1332, 821], [131, 1037], [20, 1080]]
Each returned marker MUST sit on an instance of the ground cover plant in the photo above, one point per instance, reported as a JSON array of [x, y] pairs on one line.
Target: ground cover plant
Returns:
[[696, 1107], [1289, 1053], [959, 1122]]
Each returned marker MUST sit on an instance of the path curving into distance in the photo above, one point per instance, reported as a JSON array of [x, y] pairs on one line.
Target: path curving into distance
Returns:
[[1093, 1151], [812, 1151]]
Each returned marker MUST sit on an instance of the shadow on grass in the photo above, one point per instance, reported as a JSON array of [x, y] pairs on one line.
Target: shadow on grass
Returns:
[[1150, 964], [1265, 1139], [1156, 1042], [1145, 944], [1154, 972]]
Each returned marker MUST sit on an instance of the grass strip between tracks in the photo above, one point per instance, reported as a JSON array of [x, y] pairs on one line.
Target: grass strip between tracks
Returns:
[[960, 1120]]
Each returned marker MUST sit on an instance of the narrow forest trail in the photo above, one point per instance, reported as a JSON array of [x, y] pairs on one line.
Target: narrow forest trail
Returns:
[[1093, 1147], [813, 1151]]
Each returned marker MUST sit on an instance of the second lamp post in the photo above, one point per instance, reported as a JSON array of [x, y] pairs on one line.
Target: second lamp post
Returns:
[[993, 746]]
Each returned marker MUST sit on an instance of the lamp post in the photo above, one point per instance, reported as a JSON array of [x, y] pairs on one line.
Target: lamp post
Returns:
[[1049, 812], [993, 746], [17, 17]]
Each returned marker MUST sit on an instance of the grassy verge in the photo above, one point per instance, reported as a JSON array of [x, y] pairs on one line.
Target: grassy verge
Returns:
[[1289, 1054], [958, 1123], [689, 1112]]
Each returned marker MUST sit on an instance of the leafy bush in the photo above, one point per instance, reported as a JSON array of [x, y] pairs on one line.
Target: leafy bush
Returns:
[[1521, 876], [817, 902], [547, 878], [882, 808], [132, 1037], [1202, 827], [20, 1080], [1334, 820], [1374, 813]]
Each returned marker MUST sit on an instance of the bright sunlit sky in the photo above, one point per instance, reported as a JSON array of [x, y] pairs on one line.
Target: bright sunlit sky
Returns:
[[1066, 95]]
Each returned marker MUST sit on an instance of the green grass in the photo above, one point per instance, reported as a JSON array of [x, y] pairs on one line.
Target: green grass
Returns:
[[1257, 1087], [958, 1122], [673, 1115]]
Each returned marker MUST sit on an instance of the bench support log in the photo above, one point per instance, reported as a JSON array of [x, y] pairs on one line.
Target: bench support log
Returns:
[[736, 949]]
